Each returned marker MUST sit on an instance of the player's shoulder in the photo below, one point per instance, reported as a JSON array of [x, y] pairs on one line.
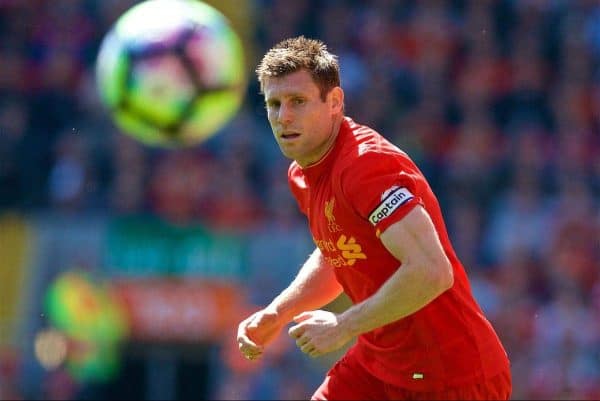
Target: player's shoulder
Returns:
[[367, 148]]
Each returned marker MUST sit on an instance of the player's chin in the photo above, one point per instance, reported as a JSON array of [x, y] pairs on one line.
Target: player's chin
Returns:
[[288, 151]]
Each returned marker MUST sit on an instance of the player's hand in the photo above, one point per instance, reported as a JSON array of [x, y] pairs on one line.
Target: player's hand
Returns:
[[256, 331], [318, 332]]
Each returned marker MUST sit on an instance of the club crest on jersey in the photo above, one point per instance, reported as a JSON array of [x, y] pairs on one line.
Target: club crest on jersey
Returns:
[[328, 210], [391, 200]]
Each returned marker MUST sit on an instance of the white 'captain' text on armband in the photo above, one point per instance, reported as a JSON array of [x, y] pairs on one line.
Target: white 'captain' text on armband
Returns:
[[392, 199]]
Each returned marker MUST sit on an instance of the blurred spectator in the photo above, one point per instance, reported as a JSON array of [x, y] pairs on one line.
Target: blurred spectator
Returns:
[[13, 127], [128, 191], [69, 175], [519, 219], [180, 185], [9, 370]]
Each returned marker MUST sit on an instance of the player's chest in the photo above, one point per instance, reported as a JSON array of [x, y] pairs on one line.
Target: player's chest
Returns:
[[336, 229]]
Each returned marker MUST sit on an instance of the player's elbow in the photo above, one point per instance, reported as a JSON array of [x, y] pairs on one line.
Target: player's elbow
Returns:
[[446, 279], [443, 277]]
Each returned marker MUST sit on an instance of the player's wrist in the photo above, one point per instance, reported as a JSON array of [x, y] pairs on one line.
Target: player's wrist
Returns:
[[347, 323], [279, 313]]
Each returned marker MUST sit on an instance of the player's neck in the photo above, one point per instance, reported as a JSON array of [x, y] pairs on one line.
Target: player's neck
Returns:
[[329, 144]]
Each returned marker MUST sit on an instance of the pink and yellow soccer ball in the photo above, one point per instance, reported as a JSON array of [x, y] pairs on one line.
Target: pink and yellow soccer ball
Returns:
[[171, 72]]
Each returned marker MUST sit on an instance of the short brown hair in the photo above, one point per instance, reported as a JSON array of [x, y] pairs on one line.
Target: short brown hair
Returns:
[[294, 54]]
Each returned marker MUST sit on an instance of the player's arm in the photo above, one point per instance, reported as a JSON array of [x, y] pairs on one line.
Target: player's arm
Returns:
[[314, 286], [425, 273]]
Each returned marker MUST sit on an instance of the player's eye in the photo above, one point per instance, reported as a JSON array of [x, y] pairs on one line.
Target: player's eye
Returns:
[[272, 105], [298, 101]]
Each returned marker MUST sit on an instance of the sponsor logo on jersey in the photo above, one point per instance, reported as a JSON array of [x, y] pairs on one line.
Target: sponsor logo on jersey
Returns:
[[350, 249], [343, 252], [392, 199]]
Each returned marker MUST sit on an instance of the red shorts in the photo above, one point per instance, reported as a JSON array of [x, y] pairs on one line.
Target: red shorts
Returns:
[[348, 380]]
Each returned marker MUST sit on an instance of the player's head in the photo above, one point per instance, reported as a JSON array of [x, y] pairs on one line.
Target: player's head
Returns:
[[294, 54], [300, 81]]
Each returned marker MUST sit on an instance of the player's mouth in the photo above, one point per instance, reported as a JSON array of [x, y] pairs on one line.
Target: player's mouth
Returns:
[[286, 136]]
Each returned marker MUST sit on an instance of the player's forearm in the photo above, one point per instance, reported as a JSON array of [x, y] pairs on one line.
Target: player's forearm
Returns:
[[425, 273], [314, 286], [405, 292]]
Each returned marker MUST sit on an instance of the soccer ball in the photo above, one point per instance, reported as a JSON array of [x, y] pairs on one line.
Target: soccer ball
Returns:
[[171, 72]]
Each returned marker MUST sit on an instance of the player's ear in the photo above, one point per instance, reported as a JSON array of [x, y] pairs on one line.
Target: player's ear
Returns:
[[337, 99]]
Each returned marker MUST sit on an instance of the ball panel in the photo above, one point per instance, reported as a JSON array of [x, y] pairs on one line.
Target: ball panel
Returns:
[[210, 113], [226, 65], [140, 128], [154, 22], [160, 87]]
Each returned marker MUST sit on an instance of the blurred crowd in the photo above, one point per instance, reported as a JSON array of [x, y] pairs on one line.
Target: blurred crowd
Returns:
[[497, 101]]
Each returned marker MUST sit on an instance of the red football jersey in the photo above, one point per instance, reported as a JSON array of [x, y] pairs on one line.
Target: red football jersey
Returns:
[[358, 189]]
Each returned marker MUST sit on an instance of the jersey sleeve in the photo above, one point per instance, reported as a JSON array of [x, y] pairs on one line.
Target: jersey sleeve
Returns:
[[382, 188]]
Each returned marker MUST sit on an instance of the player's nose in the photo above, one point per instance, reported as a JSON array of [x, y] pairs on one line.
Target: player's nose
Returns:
[[284, 115]]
